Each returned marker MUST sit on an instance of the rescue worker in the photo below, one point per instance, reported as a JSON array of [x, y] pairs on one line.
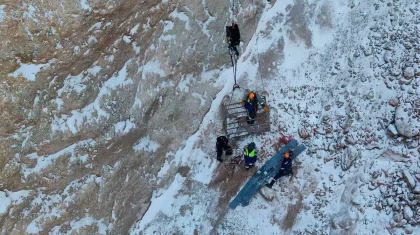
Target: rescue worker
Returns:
[[250, 103], [222, 144], [250, 155], [233, 37], [285, 168]]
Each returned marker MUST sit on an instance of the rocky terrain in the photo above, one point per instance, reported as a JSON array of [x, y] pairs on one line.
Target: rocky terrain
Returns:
[[110, 112], [94, 96]]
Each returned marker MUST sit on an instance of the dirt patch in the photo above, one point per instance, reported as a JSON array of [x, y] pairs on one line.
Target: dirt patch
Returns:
[[292, 211], [324, 16], [184, 170], [275, 53], [229, 187], [298, 23]]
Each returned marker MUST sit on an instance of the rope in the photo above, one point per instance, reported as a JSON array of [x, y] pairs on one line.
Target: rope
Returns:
[[233, 59], [258, 53], [233, 11]]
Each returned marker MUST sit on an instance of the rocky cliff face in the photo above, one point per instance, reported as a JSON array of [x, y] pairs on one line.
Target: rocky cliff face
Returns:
[[94, 97], [110, 109]]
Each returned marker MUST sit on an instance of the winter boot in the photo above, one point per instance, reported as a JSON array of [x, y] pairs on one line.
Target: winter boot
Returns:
[[270, 185]]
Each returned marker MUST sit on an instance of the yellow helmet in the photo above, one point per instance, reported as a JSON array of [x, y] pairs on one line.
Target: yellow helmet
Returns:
[[251, 95]]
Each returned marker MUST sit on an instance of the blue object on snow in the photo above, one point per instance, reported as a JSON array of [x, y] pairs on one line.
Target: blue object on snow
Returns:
[[270, 168]]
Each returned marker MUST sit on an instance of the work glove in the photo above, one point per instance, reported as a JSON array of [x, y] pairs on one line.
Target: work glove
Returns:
[[266, 109]]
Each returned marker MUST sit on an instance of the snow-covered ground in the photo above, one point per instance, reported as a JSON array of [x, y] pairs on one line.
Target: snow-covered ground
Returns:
[[337, 72]]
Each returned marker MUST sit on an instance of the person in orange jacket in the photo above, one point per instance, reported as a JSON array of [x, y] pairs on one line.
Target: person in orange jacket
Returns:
[[285, 168], [250, 103]]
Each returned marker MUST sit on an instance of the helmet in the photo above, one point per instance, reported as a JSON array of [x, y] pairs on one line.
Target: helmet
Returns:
[[251, 145], [251, 95], [286, 155]]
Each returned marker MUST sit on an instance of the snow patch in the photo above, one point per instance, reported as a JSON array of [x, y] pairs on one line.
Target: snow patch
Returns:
[[2, 12], [162, 202], [181, 16], [134, 29], [124, 127], [93, 111], [46, 160], [97, 25], [29, 71], [85, 5], [146, 144]]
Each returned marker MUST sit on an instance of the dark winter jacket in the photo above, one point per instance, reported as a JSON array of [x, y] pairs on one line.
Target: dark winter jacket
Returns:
[[286, 164], [252, 105], [233, 34], [222, 143]]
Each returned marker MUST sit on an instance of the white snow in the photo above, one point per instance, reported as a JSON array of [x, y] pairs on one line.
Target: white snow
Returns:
[[32, 228], [92, 112], [342, 193], [2, 12], [46, 160], [29, 71], [127, 39], [31, 12], [163, 202], [146, 144], [124, 127], [181, 16], [134, 29], [85, 5], [76, 225], [185, 82], [152, 67], [97, 25], [92, 39], [167, 26]]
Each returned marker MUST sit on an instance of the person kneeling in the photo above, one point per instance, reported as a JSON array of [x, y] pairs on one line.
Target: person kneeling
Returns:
[[285, 168], [222, 144]]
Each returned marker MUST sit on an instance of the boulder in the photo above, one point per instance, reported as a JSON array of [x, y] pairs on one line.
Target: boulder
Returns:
[[409, 179], [303, 133], [407, 119], [408, 73], [416, 189], [408, 213], [392, 130], [408, 229], [387, 56], [393, 102]]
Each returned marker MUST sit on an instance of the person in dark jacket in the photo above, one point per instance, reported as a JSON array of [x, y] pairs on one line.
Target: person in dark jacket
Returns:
[[250, 155], [222, 144], [251, 102], [285, 168], [233, 37]]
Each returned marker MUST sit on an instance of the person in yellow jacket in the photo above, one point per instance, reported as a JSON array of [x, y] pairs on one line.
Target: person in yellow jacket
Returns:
[[250, 155]]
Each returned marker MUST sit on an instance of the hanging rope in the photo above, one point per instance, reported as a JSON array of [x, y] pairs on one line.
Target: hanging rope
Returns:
[[233, 11], [256, 45], [233, 59]]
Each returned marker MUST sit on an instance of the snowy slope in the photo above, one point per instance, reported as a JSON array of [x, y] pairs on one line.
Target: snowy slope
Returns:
[[335, 70]]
